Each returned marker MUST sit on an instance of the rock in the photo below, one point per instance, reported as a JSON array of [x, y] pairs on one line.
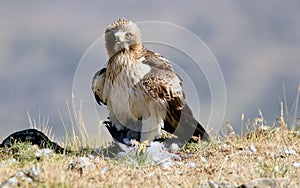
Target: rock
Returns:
[[104, 170], [251, 150], [289, 151], [82, 164], [166, 164], [191, 165], [45, 152], [296, 164], [174, 147], [11, 161], [203, 159], [213, 184], [23, 178], [297, 133], [266, 182]]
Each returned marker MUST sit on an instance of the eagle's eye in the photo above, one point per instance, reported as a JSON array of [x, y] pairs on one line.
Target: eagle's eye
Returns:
[[128, 35]]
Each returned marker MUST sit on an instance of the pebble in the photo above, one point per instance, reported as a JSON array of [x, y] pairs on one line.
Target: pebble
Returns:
[[121, 154], [252, 148], [248, 152], [82, 164], [104, 170], [191, 164], [289, 151], [166, 165], [297, 133], [266, 182], [11, 161], [174, 147], [23, 178], [45, 152], [296, 164], [203, 159]]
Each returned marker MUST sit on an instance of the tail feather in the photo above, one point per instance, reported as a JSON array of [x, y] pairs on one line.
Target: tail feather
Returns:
[[186, 126], [188, 121]]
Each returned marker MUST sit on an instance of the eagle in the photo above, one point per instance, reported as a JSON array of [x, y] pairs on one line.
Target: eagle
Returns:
[[141, 89]]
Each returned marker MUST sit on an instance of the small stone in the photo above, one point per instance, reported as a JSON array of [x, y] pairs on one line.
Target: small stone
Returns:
[[104, 170], [175, 157], [248, 152], [174, 147], [266, 182], [179, 172], [34, 172], [297, 133], [11, 161], [82, 164], [166, 164], [45, 152], [11, 182], [203, 159], [252, 148], [121, 154], [91, 156], [191, 164], [296, 164], [289, 151], [214, 184], [23, 177]]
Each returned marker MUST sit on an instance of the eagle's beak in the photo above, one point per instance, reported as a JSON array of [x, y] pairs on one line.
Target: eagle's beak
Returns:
[[120, 36]]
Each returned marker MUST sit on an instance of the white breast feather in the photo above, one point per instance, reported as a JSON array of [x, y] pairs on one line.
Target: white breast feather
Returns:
[[124, 91]]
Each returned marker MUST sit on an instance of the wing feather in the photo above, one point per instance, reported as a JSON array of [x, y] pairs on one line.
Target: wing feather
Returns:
[[98, 86], [163, 84]]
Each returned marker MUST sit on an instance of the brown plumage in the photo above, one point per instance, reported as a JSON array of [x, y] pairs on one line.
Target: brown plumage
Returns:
[[141, 89]]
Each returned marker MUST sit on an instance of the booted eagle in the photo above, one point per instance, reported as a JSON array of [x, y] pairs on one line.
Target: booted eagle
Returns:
[[140, 88]]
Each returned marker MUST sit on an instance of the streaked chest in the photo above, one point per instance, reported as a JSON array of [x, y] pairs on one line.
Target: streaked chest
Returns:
[[127, 98]]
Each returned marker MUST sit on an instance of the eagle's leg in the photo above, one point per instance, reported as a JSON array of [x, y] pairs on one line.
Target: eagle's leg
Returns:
[[151, 129], [142, 147]]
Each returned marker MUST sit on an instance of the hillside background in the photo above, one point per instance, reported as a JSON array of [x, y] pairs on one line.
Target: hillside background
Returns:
[[41, 43]]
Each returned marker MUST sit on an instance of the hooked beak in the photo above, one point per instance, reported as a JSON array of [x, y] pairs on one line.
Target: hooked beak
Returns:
[[120, 36]]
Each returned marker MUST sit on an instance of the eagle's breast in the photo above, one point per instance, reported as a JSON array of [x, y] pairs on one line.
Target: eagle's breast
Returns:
[[127, 100]]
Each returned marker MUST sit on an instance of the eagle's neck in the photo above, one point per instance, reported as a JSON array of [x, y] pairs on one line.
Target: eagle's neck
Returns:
[[137, 50], [128, 62], [128, 56]]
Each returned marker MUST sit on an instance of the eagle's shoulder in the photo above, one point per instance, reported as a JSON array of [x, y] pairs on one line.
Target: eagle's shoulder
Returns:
[[157, 60], [161, 82]]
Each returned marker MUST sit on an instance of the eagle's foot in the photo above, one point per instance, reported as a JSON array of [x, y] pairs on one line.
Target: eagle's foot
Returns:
[[142, 147]]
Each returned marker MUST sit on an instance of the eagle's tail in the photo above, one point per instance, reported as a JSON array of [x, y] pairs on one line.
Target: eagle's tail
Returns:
[[190, 124], [187, 126]]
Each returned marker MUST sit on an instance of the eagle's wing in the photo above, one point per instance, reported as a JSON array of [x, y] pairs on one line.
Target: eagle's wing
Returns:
[[164, 85], [98, 86]]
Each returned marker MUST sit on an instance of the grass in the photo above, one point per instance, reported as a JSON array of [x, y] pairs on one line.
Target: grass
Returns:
[[226, 160], [264, 152]]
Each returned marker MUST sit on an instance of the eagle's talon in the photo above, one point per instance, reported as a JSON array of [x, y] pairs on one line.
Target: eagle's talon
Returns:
[[142, 147]]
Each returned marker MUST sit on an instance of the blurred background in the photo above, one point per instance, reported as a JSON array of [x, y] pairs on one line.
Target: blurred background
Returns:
[[41, 43]]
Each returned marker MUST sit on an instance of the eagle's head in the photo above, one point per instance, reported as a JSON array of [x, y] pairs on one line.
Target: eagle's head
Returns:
[[121, 34]]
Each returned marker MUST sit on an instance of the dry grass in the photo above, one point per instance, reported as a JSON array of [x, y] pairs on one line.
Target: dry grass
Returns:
[[236, 159], [227, 160]]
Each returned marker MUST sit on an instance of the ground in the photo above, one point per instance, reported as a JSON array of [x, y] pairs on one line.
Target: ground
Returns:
[[232, 160]]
